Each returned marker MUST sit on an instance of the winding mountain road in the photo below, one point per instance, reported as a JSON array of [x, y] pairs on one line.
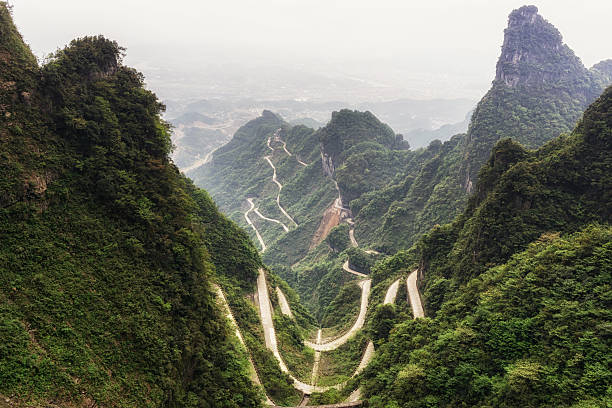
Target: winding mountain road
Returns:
[[265, 308], [282, 301], [365, 286], [414, 296], [248, 220], [280, 188], [274, 220], [278, 138], [348, 269], [265, 312]]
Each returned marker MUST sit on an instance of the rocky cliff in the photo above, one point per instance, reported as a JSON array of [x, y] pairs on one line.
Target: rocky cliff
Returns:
[[540, 90], [533, 52]]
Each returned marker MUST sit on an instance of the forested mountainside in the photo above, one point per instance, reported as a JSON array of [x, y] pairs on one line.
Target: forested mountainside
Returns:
[[394, 276], [394, 195], [540, 87], [107, 253], [540, 90], [517, 288]]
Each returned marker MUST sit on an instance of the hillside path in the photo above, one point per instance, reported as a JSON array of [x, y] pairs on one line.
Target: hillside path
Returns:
[[263, 217], [365, 286], [414, 296], [280, 188], [248, 220]]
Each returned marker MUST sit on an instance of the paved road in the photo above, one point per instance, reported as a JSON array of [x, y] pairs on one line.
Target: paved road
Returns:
[[248, 220], [365, 286], [348, 269], [265, 313], [274, 220], [317, 359], [369, 351], [277, 137], [284, 305], [392, 292], [280, 188], [414, 296], [228, 311]]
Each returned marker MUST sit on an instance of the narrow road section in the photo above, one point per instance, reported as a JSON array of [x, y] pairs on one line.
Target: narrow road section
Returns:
[[414, 296], [228, 311], [352, 237], [348, 269], [278, 138], [392, 292], [280, 188], [248, 220], [365, 286], [265, 312], [317, 359], [289, 153], [263, 217], [284, 305]]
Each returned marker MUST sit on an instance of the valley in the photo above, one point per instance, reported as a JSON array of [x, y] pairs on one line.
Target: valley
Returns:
[[304, 254]]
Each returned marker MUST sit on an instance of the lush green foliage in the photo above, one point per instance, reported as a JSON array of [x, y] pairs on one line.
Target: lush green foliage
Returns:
[[349, 128], [519, 313], [552, 350], [106, 250]]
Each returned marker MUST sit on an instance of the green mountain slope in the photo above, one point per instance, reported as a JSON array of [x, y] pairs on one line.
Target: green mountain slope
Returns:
[[540, 90], [517, 288], [106, 251]]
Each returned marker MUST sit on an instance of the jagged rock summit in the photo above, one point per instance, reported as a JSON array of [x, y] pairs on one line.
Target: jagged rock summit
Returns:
[[533, 51], [540, 90]]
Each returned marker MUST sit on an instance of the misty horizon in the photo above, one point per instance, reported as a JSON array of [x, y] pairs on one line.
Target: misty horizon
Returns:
[[388, 51]]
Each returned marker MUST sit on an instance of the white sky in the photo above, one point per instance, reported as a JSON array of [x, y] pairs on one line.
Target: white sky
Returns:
[[440, 36]]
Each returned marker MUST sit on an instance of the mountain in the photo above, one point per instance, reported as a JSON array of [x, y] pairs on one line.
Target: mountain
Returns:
[[107, 253], [517, 287], [394, 195], [539, 91]]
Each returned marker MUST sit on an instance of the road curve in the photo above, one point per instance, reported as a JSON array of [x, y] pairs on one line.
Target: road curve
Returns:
[[392, 292], [414, 296], [265, 312], [277, 137], [348, 269], [280, 187], [365, 286], [248, 220], [263, 217], [390, 296], [352, 237], [228, 311]]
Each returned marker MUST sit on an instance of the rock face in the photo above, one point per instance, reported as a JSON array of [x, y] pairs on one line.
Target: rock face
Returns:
[[533, 52], [540, 90]]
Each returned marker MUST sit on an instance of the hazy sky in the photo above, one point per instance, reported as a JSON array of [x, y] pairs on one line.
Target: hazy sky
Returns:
[[445, 38]]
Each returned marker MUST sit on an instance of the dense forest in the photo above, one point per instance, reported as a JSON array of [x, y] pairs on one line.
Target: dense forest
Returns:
[[107, 253], [517, 287], [124, 283]]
